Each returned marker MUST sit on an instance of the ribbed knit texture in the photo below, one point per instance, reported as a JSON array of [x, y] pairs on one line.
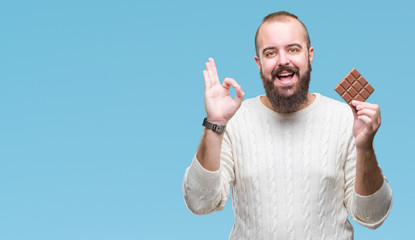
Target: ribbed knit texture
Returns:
[[291, 175]]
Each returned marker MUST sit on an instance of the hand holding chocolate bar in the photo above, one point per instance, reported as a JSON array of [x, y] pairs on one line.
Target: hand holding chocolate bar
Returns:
[[367, 115]]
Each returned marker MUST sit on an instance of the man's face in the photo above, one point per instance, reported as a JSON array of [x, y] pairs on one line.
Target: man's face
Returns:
[[285, 63]]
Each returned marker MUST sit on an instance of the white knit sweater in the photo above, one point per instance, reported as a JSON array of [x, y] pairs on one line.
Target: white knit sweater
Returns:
[[292, 175]]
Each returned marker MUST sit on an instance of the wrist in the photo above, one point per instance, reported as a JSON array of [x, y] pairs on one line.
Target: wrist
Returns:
[[217, 121], [219, 128], [366, 148], [365, 153]]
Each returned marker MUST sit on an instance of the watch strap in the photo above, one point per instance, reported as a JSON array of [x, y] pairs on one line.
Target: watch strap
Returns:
[[213, 127]]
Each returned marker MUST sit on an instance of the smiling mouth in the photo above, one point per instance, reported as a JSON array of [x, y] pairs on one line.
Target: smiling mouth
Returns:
[[285, 78], [284, 75]]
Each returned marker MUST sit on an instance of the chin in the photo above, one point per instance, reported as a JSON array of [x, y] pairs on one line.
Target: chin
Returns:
[[287, 91]]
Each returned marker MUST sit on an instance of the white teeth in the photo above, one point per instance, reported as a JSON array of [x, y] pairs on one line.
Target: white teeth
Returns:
[[285, 74]]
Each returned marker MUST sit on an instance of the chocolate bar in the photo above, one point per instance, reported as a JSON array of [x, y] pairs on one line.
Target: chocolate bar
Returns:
[[354, 87]]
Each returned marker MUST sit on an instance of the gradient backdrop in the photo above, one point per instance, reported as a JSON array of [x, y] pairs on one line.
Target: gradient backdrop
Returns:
[[101, 105]]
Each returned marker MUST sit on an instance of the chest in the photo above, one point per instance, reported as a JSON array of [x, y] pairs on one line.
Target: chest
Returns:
[[289, 153]]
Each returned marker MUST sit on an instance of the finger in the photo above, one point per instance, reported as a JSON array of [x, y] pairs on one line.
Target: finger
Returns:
[[213, 73], [368, 112], [214, 70], [229, 82], [354, 111], [355, 103], [360, 105], [208, 69], [367, 120], [208, 84], [372, 114], [212, 79], [370, 106]]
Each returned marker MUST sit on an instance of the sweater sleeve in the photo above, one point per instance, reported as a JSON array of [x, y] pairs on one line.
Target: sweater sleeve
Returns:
[[369, 211], [206, 191]]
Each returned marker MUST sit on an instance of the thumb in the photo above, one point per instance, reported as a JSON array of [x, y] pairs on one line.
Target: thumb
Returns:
[[239, 94], [354, 111]]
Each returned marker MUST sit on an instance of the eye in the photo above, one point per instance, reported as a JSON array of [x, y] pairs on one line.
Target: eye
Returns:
[[293, 50], [270, 54]]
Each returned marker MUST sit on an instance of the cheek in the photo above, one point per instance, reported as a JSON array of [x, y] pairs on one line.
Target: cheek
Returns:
[[267, 67], [302, 64]]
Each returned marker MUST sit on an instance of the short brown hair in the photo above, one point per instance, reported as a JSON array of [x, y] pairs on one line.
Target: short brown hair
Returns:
[[281, 16]]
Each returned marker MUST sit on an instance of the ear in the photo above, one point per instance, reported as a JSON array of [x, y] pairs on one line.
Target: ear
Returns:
[[311, 54], [258, 62]]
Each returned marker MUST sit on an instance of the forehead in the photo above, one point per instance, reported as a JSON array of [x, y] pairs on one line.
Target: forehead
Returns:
[[281, 34]]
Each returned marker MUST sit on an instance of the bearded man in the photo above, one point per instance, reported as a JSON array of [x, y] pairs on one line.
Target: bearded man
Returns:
[[298, 163]]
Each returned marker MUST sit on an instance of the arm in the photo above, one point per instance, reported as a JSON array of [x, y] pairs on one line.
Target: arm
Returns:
[[220, 108], [367, 121], [207, 181], [371, 200]]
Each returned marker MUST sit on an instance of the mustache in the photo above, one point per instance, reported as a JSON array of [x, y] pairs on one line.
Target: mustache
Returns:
[[279, 70]]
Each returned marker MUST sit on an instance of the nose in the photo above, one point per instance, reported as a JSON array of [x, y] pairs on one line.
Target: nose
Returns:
[[283, 59]]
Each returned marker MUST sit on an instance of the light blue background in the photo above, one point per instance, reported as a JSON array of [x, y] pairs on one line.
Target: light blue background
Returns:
[[101, 104]]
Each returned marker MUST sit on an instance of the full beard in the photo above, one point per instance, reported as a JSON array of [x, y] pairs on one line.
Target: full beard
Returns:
[[281, 102]]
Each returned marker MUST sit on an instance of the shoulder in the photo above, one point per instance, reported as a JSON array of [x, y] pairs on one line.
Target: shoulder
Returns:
[[337, 111], [333, 102], [333, 105]]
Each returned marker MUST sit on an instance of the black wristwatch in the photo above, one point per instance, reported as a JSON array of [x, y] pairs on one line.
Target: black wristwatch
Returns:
[[213, 127]]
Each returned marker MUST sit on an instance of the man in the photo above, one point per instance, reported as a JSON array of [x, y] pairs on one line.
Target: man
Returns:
[[298, 163]]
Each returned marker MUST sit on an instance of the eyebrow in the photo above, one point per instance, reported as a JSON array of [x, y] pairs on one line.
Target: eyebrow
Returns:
[[295, 45], [267, 48], [289, 45]]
